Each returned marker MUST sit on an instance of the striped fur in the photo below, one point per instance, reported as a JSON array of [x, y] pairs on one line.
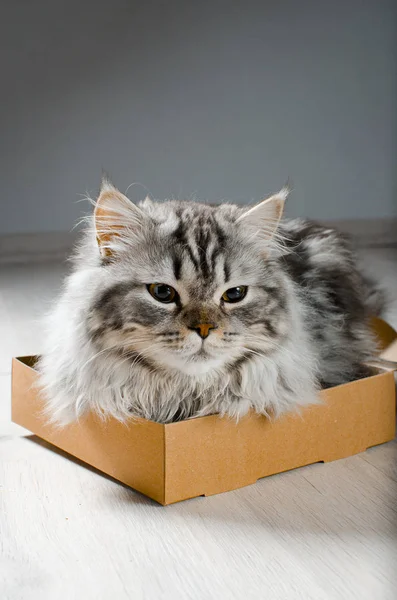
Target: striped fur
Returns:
[[112, 348]]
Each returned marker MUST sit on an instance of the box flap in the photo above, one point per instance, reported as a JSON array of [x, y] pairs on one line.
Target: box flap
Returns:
[[384, 333], [390, 354], [387, 340]]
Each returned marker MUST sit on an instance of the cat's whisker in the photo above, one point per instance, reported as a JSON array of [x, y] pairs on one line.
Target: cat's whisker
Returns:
[[256, 353], [107, 349], [116, 346]]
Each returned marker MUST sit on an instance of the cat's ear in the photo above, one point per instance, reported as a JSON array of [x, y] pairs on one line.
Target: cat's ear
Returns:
[[265, 216], [115, 218]]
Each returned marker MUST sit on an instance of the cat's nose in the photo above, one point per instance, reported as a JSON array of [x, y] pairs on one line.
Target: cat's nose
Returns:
[[203, 329]]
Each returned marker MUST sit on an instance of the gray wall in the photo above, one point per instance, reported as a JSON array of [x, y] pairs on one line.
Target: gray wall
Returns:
[[221, 99]]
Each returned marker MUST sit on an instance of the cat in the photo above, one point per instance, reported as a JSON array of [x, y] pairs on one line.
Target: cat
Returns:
[[181, 309]]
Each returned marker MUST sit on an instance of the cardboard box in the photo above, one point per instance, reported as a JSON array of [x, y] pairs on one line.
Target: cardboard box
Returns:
[[210, 455]]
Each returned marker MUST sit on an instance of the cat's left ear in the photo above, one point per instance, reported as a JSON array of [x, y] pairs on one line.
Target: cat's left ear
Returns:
[[266, 215], [115, 218]]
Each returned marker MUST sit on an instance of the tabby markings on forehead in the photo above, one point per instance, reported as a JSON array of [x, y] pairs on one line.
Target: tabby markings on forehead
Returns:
[[195, 238]]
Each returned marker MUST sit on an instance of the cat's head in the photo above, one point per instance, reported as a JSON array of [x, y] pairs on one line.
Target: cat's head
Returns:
[[188, 286]]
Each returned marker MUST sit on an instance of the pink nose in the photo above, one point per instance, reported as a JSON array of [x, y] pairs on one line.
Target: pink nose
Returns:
[[203, 329]]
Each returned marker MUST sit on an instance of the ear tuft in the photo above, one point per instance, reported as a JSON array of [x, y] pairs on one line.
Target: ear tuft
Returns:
[[106, 184]]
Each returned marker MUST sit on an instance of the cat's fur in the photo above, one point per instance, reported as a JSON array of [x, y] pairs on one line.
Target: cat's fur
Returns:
[[112, 348]]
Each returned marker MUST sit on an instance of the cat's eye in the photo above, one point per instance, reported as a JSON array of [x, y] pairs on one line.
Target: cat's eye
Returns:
[[162, 292], [235, 294]]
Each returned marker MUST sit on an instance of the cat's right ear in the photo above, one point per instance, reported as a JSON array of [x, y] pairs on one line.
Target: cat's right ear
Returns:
[[265, 216], [115, 218]]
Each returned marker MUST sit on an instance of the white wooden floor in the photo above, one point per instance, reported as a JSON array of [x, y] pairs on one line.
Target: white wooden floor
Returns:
[[320, 532]]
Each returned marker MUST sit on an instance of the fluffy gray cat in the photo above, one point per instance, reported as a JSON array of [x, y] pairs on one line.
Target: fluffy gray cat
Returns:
[[181, 309]]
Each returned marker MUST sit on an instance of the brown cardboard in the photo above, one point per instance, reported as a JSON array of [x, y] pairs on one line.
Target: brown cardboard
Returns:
[[210, 455]]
